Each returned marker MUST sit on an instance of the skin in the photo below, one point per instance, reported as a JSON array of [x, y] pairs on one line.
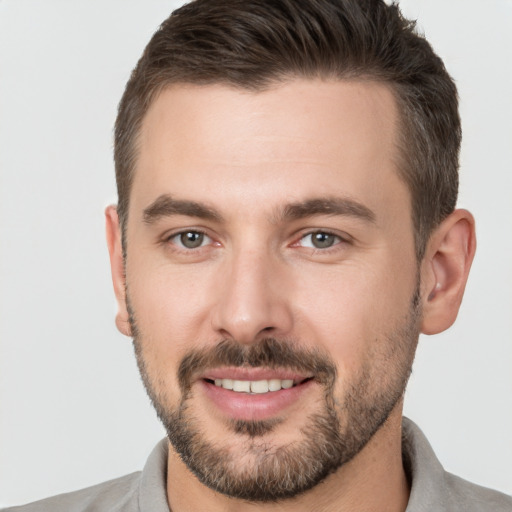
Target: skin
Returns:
[[246, 156]]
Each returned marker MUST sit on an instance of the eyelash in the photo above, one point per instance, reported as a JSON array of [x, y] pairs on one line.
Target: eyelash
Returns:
[[339, 239], [180, 247], [173, 236]]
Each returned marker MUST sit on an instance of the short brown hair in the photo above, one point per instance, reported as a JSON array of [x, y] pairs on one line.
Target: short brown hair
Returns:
[[254, 44]]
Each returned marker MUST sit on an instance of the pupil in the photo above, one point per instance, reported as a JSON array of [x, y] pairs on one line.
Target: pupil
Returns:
[[192, 239], [323, 240]]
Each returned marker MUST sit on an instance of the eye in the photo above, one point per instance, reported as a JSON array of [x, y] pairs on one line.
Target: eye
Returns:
[[190, 239], [319, 240]]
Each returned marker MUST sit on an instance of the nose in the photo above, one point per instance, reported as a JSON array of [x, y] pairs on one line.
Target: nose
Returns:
[[253, 300]]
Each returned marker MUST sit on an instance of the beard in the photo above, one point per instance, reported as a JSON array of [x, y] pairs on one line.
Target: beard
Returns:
[[331, 435]]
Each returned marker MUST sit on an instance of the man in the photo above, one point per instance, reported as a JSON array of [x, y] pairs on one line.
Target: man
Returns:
[[286, 226]]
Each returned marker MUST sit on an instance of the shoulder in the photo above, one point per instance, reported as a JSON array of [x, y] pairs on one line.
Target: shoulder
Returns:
[[113, 495], [434, 489], [143, 490], [475, 498]]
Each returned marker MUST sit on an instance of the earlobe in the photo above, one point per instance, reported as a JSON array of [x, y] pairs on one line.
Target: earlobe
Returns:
[[115, 250], [445, 270]]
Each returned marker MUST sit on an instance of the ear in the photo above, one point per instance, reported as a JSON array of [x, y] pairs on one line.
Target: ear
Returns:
[[115, 250], [445, 270]]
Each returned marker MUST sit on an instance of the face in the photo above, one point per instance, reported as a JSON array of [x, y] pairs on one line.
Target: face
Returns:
[[271, 278]]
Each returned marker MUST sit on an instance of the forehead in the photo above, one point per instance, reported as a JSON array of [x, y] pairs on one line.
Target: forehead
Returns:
[[300, 138]]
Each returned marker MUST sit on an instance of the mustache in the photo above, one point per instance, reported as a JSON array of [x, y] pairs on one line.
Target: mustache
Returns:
[[266, 353]]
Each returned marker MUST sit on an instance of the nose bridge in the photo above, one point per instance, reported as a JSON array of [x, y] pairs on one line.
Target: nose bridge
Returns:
[[251, 302]]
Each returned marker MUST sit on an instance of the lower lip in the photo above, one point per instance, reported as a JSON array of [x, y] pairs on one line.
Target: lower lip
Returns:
[[254, 407]]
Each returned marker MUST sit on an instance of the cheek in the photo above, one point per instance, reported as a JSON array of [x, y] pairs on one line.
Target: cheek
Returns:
[[169, 300], [170, 314], [348, 310]]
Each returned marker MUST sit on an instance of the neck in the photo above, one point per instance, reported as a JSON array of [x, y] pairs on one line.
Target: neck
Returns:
[[373, 480]]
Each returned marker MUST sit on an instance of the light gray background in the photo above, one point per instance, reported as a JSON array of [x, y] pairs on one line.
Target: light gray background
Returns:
[[72, 410]]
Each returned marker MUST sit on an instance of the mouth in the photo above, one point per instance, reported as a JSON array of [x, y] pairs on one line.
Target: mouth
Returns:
[[254, 394], [257, 387]]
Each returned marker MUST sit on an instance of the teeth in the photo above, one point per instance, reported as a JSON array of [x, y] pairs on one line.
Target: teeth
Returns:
[[274, 385], [287, 384], [226, 383], [259, 386], [242, 386], [254, 386]]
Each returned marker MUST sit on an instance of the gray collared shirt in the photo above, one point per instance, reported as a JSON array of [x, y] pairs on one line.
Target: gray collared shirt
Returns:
[[432, 490]]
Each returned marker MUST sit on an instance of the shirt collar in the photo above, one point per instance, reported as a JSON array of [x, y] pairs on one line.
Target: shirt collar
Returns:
[[425, 473], [153, 482]]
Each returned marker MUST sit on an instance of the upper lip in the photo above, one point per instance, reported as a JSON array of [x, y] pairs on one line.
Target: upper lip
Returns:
[[254, 374]]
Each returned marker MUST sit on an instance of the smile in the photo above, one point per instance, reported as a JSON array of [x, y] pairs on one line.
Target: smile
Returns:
[[256, 386], [256, 393]]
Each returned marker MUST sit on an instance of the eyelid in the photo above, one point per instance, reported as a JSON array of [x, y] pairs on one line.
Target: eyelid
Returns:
[[336, 241], [169, 236], [343, 237]]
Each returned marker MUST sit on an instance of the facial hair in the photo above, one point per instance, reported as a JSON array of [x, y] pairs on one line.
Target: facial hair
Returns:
[[331, 435]]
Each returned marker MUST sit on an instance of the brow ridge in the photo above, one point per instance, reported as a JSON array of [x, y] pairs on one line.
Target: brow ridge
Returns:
[[327, 206], [166, 206]]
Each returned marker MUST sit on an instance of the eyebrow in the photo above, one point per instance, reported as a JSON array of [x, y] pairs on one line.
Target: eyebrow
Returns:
[[167, 206], [327, 206]]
